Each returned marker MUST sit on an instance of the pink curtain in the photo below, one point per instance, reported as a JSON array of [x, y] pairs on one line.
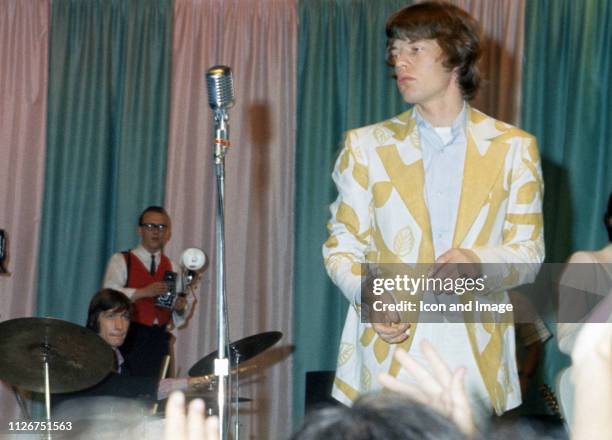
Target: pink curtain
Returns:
[[24, 27], [258, 40], [502, 23]]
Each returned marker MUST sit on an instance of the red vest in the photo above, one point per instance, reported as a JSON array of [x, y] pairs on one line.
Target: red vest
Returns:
[[145, 310]]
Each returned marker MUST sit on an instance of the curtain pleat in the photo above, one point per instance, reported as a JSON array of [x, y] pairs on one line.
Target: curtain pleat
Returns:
[[258, 40], [24, 27]]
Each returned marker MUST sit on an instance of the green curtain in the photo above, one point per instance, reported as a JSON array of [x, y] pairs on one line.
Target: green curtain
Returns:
[[567, 100], [107, 130], [343, 83]]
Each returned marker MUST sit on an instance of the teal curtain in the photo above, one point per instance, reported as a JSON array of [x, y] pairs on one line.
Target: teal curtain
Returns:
[[107, 130], [567, 101], [343, 83]]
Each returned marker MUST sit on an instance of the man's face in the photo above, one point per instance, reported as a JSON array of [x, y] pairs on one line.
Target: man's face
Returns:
[[154, 231], [421, 77], [113, 326]]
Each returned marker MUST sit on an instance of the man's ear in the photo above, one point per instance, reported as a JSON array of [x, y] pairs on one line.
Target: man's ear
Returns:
[[455, 73]]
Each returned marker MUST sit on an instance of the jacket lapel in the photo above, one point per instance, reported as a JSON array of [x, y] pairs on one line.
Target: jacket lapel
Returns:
[[484, 162], [408, 180]]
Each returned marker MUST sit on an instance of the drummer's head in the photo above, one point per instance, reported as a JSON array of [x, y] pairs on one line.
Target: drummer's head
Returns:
[[109, 316]]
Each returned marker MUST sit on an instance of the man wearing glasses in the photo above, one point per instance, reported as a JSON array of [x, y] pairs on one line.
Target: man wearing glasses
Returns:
[[140, 274]]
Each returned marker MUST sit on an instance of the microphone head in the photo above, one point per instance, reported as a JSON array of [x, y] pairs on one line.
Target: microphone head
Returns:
[[193, 259], [220, 85]]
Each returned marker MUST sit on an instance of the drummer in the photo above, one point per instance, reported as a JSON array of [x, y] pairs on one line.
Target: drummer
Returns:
[[109, 316]]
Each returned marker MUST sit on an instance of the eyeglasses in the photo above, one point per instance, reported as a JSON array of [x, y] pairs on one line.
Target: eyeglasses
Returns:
[[153, 226]]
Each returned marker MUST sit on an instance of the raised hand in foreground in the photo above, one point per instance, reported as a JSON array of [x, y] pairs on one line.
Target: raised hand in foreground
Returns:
[[436, 387], [192, 426]]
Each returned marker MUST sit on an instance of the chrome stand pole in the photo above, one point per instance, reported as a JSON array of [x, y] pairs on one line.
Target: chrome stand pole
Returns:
[[221, 362]]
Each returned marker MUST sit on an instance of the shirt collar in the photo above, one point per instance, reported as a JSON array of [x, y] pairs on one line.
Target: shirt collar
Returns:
[[457, 126], [140, 250], [119, 358]]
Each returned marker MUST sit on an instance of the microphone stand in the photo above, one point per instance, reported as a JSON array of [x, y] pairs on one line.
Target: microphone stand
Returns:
[[221, 368]]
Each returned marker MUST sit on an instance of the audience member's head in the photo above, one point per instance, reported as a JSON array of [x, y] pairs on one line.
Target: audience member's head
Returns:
[[383, 416], [109, 316]]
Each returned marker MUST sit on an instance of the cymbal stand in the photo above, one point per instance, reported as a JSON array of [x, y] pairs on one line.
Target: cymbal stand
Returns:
[[236, 380], [45, 359], [22, 406]]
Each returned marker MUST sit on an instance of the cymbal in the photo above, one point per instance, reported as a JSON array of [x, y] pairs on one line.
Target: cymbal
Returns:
[[77, 357], [211, 397], [239, 351]]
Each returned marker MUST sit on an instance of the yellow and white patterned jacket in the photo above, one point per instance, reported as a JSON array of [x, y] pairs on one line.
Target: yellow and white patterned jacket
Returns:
[[380, 216]]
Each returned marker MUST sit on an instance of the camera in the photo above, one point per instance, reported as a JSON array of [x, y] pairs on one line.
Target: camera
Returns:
[[166, 299]]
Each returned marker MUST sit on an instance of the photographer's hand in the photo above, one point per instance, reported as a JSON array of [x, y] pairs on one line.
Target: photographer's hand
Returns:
[[150, 291], [180, 303]]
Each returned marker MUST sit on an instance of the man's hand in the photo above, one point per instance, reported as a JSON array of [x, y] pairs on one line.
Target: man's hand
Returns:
[[457, 263], [435, 386], [393, 333], [180, 303], [151, 291], [388, 324]]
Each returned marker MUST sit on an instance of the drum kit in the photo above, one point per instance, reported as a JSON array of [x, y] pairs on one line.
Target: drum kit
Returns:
[[50, 356], [238, 352]]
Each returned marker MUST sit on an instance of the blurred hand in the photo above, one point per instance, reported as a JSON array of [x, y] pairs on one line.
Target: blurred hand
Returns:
[[593, 344], [180, 303], [193, 427], [591, 366], [436, 386]]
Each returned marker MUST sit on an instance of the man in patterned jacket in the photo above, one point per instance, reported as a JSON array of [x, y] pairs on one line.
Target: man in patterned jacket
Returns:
[[441, 183]]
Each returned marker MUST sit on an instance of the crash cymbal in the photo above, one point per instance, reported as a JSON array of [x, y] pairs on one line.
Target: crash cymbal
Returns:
[[239, 351], [211, 397], [77, 357]]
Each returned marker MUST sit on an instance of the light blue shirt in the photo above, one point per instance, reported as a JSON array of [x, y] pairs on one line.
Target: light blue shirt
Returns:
[[443, 160]]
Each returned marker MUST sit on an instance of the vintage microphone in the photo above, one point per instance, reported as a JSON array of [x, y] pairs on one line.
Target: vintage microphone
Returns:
[[220, 87]]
